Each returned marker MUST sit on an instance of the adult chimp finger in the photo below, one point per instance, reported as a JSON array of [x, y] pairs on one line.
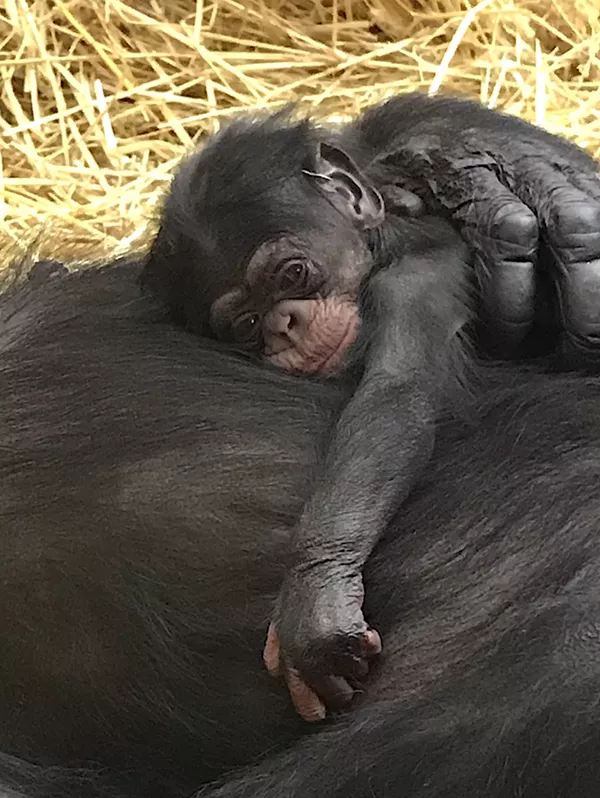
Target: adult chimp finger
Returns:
[[503, 234], [569, 217], [402, 202]]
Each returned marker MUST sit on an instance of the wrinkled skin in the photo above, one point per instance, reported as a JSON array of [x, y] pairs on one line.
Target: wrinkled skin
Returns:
[[311, 336]]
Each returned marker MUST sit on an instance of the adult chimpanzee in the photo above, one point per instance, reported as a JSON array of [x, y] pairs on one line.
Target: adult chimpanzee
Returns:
[[147, 501], [267, 239]]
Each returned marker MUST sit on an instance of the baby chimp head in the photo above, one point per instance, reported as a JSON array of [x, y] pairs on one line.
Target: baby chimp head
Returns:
[[262, 243]]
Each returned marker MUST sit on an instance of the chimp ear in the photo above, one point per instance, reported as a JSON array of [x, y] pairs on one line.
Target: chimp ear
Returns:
[[340, 179]]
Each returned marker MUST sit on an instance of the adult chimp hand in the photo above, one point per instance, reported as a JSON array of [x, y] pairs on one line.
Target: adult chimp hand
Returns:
[[527, 202], [528, 214]]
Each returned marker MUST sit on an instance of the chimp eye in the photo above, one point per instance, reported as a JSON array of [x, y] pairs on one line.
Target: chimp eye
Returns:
[[247, 329], [295, 273]]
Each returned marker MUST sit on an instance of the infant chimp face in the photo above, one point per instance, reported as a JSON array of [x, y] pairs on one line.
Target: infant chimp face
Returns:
[[297, 305], [262, 243]]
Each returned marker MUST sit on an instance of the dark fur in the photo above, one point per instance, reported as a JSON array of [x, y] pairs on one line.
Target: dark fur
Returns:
[[526, 201], [253, 184], [501, 180], [144, 530], [449, 152]]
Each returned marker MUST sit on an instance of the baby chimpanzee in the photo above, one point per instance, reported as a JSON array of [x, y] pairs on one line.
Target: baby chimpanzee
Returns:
[[276, 237], [266, 240]]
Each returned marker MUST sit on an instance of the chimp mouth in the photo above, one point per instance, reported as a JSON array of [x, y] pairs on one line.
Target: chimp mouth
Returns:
[[319, 345]]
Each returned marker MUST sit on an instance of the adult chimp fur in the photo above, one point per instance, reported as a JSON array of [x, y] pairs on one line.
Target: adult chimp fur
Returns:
[[149, 485]]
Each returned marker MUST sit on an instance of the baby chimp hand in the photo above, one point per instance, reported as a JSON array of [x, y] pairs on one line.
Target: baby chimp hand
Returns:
[[319, 640]]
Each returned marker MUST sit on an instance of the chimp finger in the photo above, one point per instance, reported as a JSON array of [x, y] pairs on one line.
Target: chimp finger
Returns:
[[568, 208], [305, 700], [503, 234]]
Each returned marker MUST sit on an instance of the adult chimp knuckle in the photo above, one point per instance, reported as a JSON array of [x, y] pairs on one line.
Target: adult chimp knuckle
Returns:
[[516, 224], [515, 230], [575, 217]]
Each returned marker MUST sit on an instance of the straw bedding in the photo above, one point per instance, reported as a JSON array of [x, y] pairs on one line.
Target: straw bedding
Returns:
[[100, 98]]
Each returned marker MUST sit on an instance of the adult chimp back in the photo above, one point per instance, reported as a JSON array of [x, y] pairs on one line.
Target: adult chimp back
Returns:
[[144, 529]]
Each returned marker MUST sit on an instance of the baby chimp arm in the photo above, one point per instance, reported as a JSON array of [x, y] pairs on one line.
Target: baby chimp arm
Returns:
[[382, 441]]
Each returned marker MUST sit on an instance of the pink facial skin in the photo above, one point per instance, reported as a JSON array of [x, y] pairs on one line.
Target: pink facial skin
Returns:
[[310, 336]]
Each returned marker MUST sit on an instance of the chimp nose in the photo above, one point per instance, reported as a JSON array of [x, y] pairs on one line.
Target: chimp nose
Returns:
[[286, 322]]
